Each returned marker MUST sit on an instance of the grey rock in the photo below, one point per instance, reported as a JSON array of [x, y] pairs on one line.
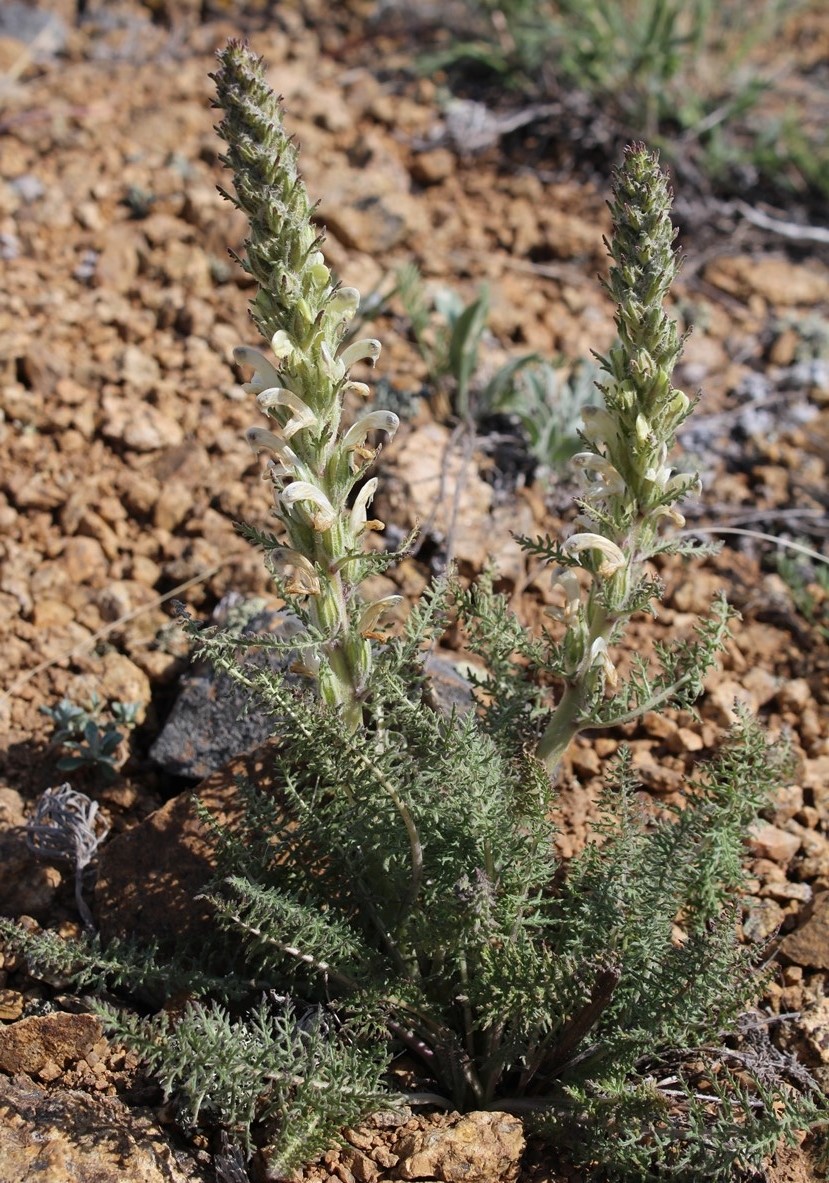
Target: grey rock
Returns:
[[45, 32], [28, 187], [213, 719], [450, 689], [9, 247]]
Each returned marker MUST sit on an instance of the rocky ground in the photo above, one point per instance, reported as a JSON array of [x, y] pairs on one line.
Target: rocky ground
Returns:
[[124, 468]]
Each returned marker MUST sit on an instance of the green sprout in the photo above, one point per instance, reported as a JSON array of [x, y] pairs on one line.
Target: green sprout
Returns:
[[85, 740]]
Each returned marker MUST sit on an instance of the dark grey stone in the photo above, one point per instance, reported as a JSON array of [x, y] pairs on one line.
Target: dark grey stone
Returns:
[[209, 724], [213, 719]]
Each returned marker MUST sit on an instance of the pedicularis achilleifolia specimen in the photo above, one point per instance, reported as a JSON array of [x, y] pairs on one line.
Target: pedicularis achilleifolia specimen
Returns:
[[403, 882]]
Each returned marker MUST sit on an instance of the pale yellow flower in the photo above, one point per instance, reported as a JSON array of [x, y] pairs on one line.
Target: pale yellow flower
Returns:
[[599, 468], [365, 350], [613, 560], [322, 517], [297, 572], [265, 374], [371, 614], [301, 416]]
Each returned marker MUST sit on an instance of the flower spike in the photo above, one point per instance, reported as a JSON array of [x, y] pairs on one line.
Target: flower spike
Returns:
[[629, 490], [301, 384]]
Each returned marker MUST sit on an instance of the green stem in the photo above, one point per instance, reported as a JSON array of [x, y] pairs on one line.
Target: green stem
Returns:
[[636, 712], [563, 727], [468, 1022], [415, 849]]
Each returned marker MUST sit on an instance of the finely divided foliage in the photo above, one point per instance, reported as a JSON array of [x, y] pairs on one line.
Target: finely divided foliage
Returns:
[[400, 890]]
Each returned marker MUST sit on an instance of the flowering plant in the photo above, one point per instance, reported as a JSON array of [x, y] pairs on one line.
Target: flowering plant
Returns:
[[399, 891], [629, 492]]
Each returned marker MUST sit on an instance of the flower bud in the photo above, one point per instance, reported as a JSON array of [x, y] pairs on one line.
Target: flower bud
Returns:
[[317, 269], [598, 656], [282, 345], [679, 405], [644, 365], [304, 309], [626, 394], [344, 302]]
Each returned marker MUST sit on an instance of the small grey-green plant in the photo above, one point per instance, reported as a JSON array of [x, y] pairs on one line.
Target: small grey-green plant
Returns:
[[68, 718], [550, 404], [798, 575], [87, 739], [450, 345], [403, 880]]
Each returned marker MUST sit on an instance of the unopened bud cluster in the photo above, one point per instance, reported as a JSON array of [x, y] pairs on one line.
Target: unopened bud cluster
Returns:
[[313, 465], [630, 483]]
